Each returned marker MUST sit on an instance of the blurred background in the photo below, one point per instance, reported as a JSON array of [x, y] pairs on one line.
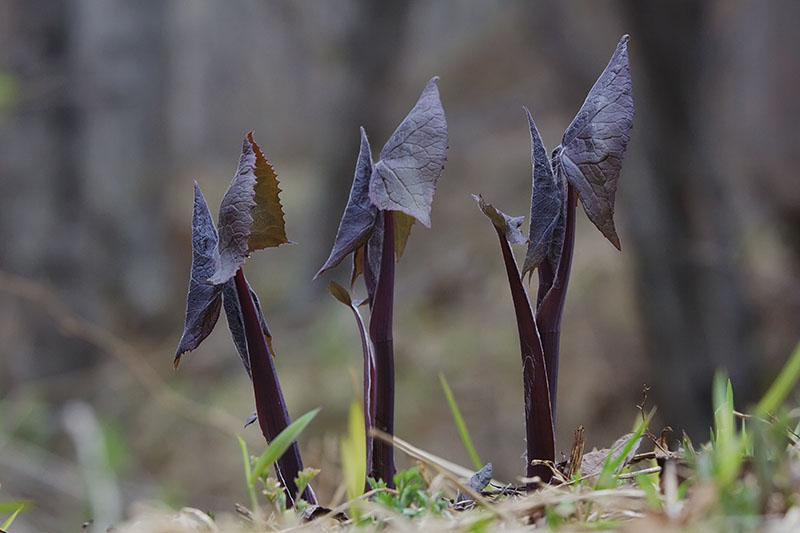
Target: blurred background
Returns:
[[110, 108]]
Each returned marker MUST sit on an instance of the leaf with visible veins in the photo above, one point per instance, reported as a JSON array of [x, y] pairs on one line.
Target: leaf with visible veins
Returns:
[[250, 210], [412, 160], [359, 214], [508, 226], [203, 300], [595, 142], [547, 202]]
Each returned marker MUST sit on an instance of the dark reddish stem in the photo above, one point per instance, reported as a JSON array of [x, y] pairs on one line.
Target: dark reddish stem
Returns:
[[273, 416], [551, 308], [380, 331], [539, 431]]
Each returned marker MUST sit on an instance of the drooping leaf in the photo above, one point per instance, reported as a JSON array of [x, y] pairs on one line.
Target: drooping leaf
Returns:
[[508, 226], [359, 214], [233, 313], [203, 300], [412, 160], [402, 230], [547, 202], [341, 294], [268, 228], [595, 142], [244, 213]]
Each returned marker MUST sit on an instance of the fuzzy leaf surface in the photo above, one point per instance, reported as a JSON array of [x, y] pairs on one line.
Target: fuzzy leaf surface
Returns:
[[508, 226], [203, 300], [359, 214], [595, 142], [547, 203], [412, 160]]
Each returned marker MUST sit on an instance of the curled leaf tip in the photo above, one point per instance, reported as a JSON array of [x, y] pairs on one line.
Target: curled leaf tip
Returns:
[[506, 225]]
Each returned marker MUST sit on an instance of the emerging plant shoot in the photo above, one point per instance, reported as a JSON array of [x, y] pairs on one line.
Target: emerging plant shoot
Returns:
[[385, 200], [250, 218], [584, 166]]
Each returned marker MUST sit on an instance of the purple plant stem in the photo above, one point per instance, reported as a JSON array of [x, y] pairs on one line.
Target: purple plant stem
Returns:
[[380, 331], [551, 309], [273, 416], [539, 431]]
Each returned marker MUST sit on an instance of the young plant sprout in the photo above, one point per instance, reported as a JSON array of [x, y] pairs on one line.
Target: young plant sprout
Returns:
[[385, 200], [584, 166], [250, 218]]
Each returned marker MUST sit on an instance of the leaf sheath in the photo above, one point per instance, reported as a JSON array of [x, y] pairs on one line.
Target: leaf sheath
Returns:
[[380, 331], [273, 416], [539, 430], [551, 309]]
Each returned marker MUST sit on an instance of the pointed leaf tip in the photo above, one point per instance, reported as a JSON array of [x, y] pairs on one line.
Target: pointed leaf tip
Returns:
[[595, 142], [548, 198], [412, 159], [250, 215], [359, 215], [202, 300]]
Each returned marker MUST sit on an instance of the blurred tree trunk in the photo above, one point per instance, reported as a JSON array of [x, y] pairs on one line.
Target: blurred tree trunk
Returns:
[[80, 153], [372, 52], [682, 222]]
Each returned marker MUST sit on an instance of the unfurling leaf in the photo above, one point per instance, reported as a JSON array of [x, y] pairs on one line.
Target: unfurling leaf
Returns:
[[595, 142], [547, 207], [359, 214], [203, 300], [412, 160], [233, 313], [268, 228], [402, 230], [508, 226], [249, 210]]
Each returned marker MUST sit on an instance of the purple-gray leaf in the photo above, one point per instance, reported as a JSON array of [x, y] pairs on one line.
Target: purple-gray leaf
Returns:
[[412, 160], [235, 218], [233, 313], [508, 226], [595, 142], [359, 214], [547, 202], [203, 300]]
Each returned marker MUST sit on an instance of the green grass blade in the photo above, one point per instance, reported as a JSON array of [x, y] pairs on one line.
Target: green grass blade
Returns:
[[782, 385], [248, 473], [11, 518], [354, 453], [280, 444], [460, 424]]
